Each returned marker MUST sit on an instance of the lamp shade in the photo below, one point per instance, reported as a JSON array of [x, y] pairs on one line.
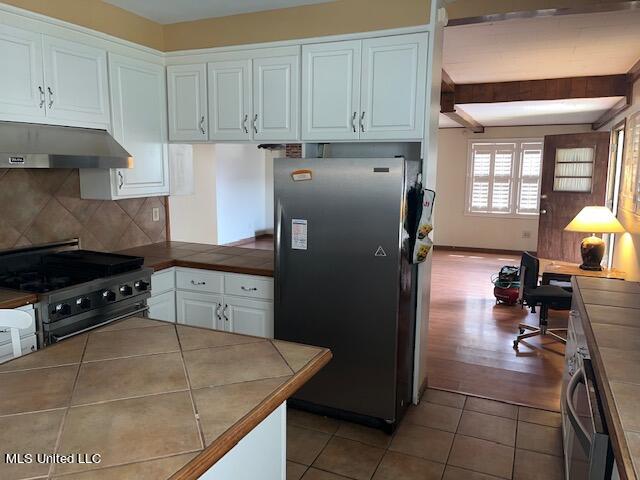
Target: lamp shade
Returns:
[[595, 220]]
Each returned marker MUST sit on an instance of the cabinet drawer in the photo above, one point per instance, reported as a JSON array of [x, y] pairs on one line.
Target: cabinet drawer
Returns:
[[29, 344], [25, 332], [248, 286], [163, 281], [199, 280]]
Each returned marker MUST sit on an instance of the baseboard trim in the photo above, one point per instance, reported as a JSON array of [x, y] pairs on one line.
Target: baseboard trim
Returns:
[[498, 251]]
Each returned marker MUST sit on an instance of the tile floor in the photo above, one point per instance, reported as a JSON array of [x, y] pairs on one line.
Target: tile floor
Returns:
[[448, 436]]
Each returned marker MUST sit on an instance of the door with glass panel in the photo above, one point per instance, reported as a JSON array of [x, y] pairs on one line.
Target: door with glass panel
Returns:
[[574, 175]]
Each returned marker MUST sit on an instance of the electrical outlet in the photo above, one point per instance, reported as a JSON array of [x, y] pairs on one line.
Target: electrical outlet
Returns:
[[155, 214], [526, 234]]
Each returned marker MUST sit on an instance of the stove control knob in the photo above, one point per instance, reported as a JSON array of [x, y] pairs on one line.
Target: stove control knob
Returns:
[[62, 309], [83, 303], [126, 290], [109, 295], [141, 285]]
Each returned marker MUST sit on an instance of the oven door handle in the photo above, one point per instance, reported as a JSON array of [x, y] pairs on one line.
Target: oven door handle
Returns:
[[581, 432], [111, 320]]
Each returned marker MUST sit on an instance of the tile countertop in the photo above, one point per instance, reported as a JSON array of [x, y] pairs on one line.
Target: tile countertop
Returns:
[[130, 390], [15, 299], [611, 316], [163, 255]]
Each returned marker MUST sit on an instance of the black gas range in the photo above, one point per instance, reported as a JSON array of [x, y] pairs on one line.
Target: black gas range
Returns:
[[77, 289]]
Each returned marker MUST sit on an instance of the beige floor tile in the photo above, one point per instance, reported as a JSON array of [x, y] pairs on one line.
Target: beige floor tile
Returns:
[[295, 470], [133, 430], [238, 363], [220, 407], [537, 466], [539, 438], [133, 322], [64, 353], [192, 338], [130, 342], [489, 427], [297, 356], [31, 433], [33, 390], [491, 407], [360, 433], [541, 417], [350, 459], [434, 416], [312, 421], [129, 377], [151, 470], [423, 442], [304, 445], [396, 466], [442, 397], [482, 456], [315, 474], [457, 473]]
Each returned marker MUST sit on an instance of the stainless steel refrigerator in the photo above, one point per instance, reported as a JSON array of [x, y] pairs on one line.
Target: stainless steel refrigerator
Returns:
[[343, 280]]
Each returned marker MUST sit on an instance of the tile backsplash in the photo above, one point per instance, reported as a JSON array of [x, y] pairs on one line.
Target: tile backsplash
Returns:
[[44, 205]]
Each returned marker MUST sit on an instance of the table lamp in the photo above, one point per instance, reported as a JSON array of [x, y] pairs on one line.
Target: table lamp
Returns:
[[593, 220]]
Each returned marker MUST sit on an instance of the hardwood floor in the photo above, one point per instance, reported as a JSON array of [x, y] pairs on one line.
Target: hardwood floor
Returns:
[[470, 337], [263, 242]]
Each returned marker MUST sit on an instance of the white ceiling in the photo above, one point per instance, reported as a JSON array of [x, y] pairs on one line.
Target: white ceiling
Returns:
[[547, 47], [172, 11], [544, 112]]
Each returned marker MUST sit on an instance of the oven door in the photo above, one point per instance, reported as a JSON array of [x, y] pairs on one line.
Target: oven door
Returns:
[[588, 454]]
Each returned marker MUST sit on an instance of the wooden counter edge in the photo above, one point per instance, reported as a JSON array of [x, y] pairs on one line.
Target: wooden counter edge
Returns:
[[19, 301], [186, 263], [614, 425], [225, 442]]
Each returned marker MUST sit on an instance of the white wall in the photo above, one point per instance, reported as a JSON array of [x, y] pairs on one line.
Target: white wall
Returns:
[[240, 192], [193, 217], [452, 227], [270, 156]]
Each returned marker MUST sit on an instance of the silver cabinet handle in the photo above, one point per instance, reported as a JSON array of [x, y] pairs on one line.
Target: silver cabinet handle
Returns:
[[121, 177], [202, 124], [249, 289], [193, 282], [362, 122], [50, 97], [41, 90], [218, 307], [224, 313], [255, 119], [353, 121], [244, 123]]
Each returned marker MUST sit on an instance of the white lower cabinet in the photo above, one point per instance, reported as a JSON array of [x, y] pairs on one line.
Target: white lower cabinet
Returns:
[[198, 309], [250, 317], [163, 307]]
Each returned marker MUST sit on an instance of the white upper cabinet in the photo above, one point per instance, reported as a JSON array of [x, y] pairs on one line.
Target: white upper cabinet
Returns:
[[187, 102], [371, 89], [76, 82], [393, 87], [275, 98], [230, 109], [331, 90], [22, 81]]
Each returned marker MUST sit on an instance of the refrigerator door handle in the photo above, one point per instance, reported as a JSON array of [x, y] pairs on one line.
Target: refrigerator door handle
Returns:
[[278, 246]]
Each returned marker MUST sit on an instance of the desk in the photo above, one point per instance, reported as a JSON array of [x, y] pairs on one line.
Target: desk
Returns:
[[563, 271]]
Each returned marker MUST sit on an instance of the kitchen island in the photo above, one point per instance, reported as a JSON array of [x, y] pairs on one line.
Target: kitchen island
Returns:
[[144, 399]]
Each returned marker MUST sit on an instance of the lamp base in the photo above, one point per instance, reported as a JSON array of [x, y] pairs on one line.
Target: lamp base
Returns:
[[592, 251]]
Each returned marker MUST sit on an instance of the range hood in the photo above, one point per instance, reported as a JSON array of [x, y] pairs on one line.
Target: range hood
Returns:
[[31, 145]]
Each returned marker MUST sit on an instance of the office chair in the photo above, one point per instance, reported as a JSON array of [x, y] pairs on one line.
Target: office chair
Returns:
[[546, 296]]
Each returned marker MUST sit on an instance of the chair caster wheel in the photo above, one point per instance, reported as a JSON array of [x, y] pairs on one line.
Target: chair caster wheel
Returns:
[[521, 331], [515, 344]]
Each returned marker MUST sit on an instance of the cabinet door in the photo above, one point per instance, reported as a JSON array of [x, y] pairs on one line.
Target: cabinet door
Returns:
[[198, 309], [250, 317], [163, 307], [230, 109], [187, 94], [393, 87], [75, 82], [22, 82], [331, 90], [275, 98], [138, 96]]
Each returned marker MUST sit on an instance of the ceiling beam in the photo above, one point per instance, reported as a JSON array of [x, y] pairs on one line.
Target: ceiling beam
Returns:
[[632, 76], [548, 89], [448, 108], [634, 72], [447, 84]]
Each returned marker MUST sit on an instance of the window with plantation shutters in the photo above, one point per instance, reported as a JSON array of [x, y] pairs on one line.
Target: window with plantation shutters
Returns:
[[504, 177]]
